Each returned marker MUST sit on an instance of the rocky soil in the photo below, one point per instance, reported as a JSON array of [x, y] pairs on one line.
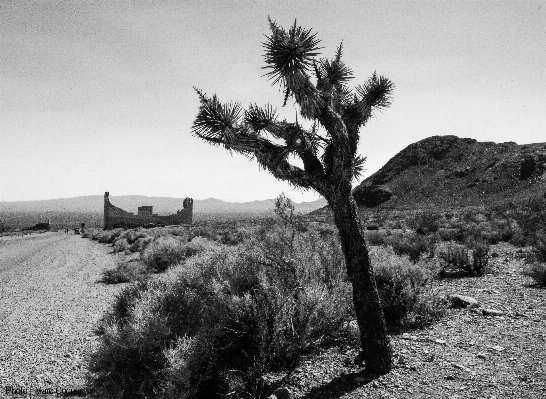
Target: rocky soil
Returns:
[[496, 350]]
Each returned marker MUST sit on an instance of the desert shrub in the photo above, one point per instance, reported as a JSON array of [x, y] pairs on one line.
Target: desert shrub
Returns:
[[140, 244], [233, 236], [540, 245], [425, 222], [531, 217], [406, 291], [133, 235], [203, 231], [374, 238], [412, 245], [457, 259], [537, 271], [395, 224], [227, 318], [450, 234], [483, 231], [454, 258], [124, 303], [510, 231], [480, 257], [166, 251], [93, 234], [120, 245], [124, 272], [109, 236], [489, 234], [233, 313]]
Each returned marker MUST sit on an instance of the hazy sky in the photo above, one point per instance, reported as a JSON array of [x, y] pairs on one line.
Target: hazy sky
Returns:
[[97, 95]]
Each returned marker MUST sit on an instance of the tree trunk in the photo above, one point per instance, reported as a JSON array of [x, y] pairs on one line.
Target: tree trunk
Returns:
[[376, 348]]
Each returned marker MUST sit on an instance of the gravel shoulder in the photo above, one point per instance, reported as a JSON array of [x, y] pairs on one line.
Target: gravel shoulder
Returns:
[[50, 302]]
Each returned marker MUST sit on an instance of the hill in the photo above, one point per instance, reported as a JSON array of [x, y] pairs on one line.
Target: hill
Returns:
[[448, 171]]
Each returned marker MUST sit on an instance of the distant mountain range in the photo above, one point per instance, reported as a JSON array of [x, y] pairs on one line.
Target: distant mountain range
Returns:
[[162, 205]]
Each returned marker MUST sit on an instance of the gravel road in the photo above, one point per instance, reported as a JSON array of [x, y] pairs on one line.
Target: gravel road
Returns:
[[49, 303]]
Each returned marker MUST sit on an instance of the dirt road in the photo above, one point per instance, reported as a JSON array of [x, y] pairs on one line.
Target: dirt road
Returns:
[[49, 303]]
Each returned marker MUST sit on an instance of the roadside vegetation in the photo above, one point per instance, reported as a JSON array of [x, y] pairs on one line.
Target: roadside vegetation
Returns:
[[243, 301]]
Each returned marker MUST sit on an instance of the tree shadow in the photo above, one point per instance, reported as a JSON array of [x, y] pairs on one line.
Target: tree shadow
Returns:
[[341, 385]]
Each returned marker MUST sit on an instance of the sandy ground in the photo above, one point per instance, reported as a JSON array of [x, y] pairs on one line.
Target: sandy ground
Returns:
[[49, 303]]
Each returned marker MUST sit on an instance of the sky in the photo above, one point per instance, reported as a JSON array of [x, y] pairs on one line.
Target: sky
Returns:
[[98, 95]]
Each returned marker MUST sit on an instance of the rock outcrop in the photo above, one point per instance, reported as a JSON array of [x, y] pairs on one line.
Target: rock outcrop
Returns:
[[449, 171]]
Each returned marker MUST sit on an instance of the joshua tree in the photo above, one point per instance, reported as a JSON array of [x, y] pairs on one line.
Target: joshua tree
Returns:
[[328, 151]]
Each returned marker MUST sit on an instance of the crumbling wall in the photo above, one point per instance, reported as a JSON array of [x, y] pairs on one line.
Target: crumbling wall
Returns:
[[116, 217]]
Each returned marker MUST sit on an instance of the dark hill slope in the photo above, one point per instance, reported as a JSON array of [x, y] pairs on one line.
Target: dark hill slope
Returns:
[[448, 171]]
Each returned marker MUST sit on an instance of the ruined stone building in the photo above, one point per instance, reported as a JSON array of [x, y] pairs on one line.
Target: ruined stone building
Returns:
[[116, 217]]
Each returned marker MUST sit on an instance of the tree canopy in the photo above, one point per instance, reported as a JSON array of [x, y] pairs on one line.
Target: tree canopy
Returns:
[[320, 87]]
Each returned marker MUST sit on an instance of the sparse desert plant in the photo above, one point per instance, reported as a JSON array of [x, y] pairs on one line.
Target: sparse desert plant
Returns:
[[133, 235], [450, 234], [233, 236], [480, 257], [375, 238], [453, 258], [140, 244], [509, 231], [109, 236], [120, 245], [489, 234], [227, 315], [425, 222], [412, 245], [406, 290], [457, 259], [167, 251], [531, 217], [233, 313], [125, 272], [537, 271], [540, 245], [203, 231], [124, 303]]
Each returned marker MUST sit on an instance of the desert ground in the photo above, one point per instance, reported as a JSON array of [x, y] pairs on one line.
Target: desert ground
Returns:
[[51, 300]]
